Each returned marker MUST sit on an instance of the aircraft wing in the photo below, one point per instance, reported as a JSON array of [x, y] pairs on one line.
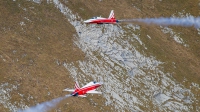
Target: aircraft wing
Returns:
[[70, 90], [81, 96], [94, 92]]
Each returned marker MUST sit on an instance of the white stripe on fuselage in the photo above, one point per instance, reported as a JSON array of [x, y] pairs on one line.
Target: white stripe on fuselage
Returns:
[[88, 87], [89, 84]]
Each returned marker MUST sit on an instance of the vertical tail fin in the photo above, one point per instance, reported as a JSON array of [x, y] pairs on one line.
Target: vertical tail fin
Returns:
[[111, 16], [76, 86]]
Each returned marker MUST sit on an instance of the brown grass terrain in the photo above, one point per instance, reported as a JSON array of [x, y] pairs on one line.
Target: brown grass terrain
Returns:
[[32, 53]]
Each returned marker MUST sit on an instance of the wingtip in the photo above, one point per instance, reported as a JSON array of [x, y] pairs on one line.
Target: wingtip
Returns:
[[64, 90]]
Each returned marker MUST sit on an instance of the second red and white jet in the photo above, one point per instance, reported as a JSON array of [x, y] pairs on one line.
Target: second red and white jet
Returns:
[[88, 88], [99, 20]]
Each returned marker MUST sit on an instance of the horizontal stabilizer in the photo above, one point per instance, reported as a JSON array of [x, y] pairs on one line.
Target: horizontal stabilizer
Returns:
[[94, 92], [70, 90]]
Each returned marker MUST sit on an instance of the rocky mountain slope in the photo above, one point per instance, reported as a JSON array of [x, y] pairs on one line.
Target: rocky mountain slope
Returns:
[[45, 47]]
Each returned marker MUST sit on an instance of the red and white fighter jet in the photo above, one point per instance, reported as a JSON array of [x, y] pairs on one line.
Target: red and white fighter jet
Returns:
[[99, 20], [88, 88]]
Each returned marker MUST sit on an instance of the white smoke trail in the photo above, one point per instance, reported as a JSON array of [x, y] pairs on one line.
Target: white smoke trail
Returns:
[[45, 106], [186, 22]]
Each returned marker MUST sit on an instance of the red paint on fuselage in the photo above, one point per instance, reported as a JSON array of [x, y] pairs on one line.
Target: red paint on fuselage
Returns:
[[99, 20], [102, 21], [83, 91]]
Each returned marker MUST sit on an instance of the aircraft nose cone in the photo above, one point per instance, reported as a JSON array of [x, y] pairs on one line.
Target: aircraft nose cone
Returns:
[[87, 21]]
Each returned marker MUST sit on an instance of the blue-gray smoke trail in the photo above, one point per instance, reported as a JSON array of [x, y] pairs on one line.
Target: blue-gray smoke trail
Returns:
[[45, 106], [186, 21]]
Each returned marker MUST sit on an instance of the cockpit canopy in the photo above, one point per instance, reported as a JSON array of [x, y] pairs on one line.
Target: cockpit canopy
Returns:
[[94, 18]]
